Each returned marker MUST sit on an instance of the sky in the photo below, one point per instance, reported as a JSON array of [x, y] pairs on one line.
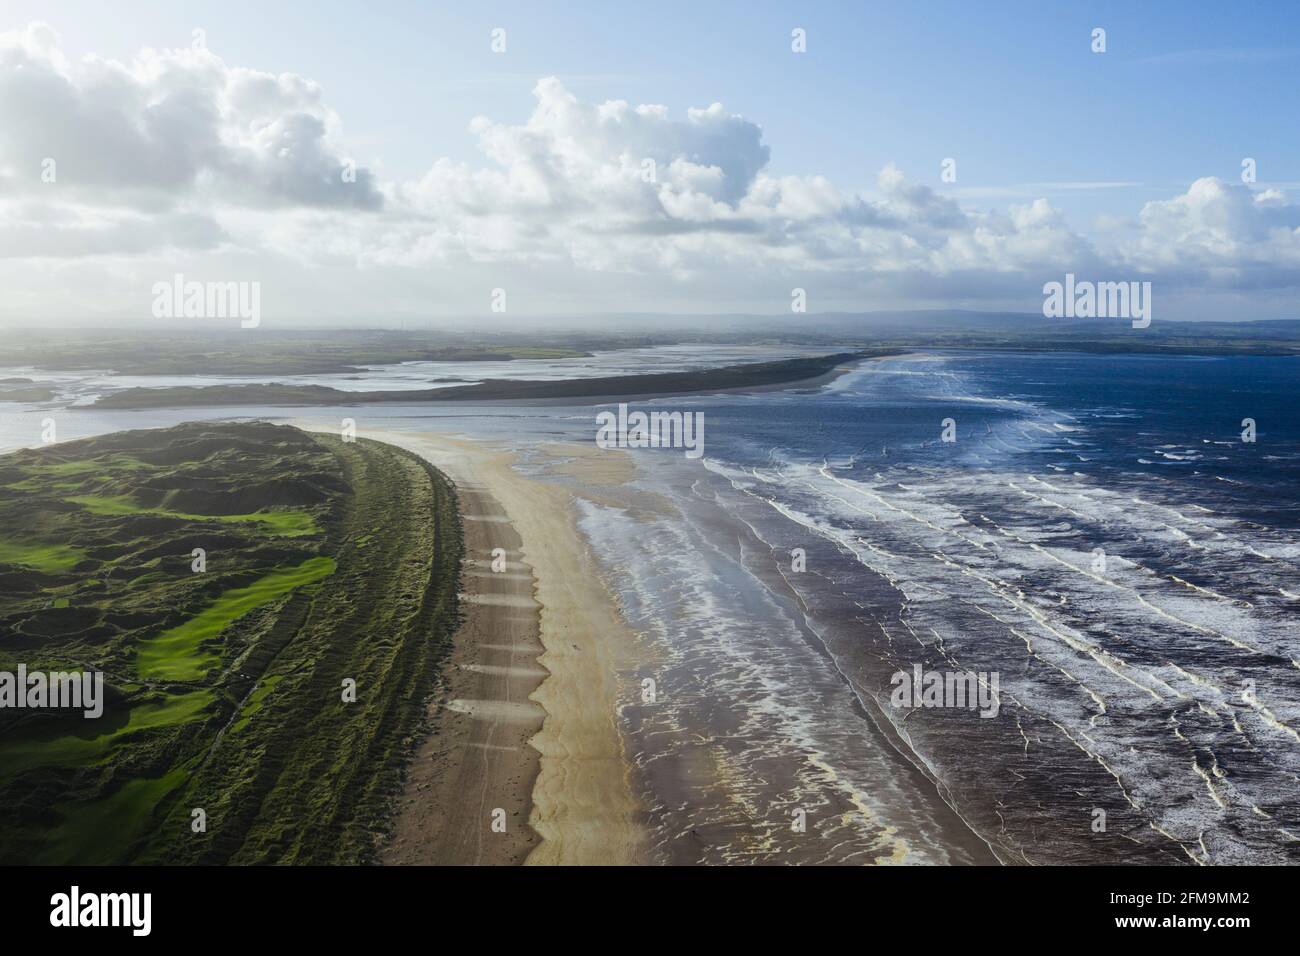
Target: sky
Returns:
[[377, 163]]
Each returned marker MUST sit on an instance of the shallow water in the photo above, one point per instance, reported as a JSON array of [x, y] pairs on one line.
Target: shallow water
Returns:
[[1156, 680], [84, 388]]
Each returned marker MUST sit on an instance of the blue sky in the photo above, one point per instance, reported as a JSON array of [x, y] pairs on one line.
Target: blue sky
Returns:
[[1011, 91]]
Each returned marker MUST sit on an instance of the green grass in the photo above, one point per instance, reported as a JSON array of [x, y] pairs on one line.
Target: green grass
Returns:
[[297, 777], [151, 577], [101, 832], [72, 474], [286, 523], [17, 755], [51, 558], [290, 524], [255, 701], [83, 466], [534, 352], [114, 505], [177, 654]]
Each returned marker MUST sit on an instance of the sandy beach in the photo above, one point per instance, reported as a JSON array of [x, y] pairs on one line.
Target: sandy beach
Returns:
[[476, 758], [527, 722], [543, 685]]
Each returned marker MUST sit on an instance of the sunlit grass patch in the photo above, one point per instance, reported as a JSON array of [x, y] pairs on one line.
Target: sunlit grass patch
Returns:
[[72, 474], [51, 558], [292, 523], [177, 654], [22, 753], [255, 701]]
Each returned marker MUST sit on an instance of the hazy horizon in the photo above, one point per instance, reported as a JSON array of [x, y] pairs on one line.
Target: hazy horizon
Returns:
[[618, 324], [718, 161]]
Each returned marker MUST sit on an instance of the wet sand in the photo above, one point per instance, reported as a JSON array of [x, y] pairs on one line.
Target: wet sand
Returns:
[[534, 734], [476, 758], [541, 717]]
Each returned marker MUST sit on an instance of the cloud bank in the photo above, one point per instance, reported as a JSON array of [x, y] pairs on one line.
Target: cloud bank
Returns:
[[177, 158]]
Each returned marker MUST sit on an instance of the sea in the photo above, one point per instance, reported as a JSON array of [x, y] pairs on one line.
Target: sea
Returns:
[[1107, 544]]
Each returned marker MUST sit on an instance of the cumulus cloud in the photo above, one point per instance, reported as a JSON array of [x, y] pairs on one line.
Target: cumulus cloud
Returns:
[[1220, 231], [178, 153], [608, 186], [169, 127]]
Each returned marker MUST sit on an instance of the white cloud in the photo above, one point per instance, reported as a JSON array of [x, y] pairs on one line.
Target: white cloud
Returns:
[[170, 127], [572, 184], [1221, 230], [31, 229], [179, 157]]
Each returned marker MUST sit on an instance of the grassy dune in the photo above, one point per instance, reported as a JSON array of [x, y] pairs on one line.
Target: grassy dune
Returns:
[[326, 561], [186, 652], [43, 557], [71, 749], [277, 522]]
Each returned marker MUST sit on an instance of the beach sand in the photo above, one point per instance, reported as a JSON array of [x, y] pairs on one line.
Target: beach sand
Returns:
[[541, 717], [476, 757], [533, 734]]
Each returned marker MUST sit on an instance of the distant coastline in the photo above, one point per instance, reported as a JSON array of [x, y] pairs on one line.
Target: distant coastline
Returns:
[[749, 376]]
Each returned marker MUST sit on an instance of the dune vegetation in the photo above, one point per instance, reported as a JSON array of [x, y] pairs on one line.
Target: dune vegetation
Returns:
[[233, 583]]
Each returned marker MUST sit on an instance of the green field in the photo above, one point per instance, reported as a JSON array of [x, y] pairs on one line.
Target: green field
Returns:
[[326, 561], [23, 753], [179, 654], [288, 523], [282, 352], [43, 557], [99, 834], [255, 700]]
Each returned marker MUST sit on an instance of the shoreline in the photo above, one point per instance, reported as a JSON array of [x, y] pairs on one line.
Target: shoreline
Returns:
[[813, 382], [749, 376], [579, 807]]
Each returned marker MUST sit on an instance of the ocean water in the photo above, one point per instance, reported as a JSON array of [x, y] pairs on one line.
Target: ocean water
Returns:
[[1098, 536]]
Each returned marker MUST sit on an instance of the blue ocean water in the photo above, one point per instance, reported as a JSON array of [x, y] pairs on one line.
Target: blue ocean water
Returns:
[[1168, 418], [1098, 534]]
